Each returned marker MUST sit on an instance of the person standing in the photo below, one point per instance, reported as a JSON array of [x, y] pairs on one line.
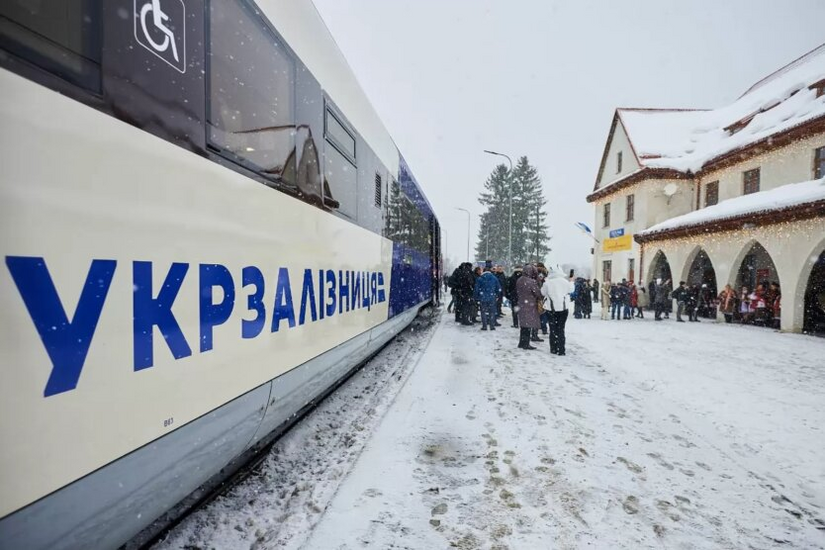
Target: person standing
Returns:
[[616, 302], [544, 316], [626, 308], [596, 294], [587, 300], [455, 298], [498, 271], [605, 290], [634, 299], [528, 294], [556, 292], [487, 291], [692, 303], [465, 283], [642, 301], [579, 297], [512, 295], [680, 295], [727, 303], [745, 314], [662, 298]]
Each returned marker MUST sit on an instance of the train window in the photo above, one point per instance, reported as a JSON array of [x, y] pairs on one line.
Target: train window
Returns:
[[405, 223], [339, 136], [251, 91], [62, 37]]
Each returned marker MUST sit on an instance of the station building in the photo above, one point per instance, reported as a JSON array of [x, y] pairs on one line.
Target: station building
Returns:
[[733, 195]]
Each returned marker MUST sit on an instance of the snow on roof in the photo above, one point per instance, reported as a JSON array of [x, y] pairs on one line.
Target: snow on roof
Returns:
[[794, 194], [685, 140]]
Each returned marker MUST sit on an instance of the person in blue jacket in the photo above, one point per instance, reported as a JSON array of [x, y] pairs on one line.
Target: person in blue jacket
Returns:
[[486, 292]]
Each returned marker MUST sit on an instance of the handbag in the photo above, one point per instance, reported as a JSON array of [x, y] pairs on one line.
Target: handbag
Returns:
[[540, 306]]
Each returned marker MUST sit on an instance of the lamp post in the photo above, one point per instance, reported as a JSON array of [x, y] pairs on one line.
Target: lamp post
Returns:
[[468, 230], [487, 241], [510, 216]]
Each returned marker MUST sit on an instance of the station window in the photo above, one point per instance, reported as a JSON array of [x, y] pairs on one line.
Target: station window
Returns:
[[712, 193], [619, 162], [251, 102], [751, 181], [607, 271], [819, 163], [606, 216], [630, 207], [63, 38]]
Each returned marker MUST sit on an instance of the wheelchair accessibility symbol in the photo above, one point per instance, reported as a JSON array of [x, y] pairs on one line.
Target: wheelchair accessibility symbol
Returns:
[[160, 27]]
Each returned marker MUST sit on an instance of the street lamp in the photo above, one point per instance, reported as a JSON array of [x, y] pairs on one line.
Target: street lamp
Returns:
[[468, 230], [487, 240], [510, 217]]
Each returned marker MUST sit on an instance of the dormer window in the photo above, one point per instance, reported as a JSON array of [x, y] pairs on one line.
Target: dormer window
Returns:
[[619, 162], [819, 87], [740, 124]]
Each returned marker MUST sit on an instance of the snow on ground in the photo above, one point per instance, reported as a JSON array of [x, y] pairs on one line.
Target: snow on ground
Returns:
[[644, 436], [278, 505]]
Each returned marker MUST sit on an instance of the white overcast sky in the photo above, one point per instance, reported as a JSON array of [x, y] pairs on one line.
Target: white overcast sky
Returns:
[[542, 78]]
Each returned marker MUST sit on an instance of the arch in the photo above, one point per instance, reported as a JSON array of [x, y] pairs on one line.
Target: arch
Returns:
[[753, 267], [700, 272], [811, 293], [659, 268]]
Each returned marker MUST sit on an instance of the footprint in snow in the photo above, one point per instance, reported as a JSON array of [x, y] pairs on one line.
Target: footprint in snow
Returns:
[[631, 505]]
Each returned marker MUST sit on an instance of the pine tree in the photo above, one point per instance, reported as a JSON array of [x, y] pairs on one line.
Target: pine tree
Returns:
[[492, 235], [530, 232], [531, 242]]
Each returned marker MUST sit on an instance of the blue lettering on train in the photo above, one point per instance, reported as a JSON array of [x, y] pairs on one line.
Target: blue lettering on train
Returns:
[[67, 342]]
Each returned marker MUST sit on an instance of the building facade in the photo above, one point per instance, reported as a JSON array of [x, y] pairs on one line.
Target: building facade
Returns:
[[734, 195]]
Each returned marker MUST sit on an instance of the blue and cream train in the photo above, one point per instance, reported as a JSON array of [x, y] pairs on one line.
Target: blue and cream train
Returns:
[[204, 227]]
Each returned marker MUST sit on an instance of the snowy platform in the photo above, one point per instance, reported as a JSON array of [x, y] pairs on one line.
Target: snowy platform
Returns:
[[646, 435]]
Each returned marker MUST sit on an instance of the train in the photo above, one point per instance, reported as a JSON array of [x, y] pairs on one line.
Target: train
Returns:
[[205, 228]]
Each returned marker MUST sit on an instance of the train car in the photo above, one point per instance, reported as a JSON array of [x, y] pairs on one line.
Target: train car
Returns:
[[205, 227]]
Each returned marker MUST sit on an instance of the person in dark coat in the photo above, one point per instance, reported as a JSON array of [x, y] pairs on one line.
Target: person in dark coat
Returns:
[[474, 311], [681, 297], [662, 298], [578, 303], [511, 294], [455, 300], [498, 271], [528, 294], [692, 303], [616, 302], [464, 286], [587, 300], [595, 291]]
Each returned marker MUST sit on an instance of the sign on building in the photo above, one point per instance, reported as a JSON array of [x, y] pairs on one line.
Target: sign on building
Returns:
[[618, 244]]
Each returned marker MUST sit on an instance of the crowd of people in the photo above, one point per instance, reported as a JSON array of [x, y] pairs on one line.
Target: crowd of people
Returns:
[[626, 300], [540, 300]]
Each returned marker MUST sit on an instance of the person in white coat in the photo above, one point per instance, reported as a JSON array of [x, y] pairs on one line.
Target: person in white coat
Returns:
[[556, 292]]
